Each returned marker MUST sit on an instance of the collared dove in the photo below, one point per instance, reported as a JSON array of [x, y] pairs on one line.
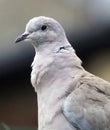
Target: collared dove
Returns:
[[69, 97]]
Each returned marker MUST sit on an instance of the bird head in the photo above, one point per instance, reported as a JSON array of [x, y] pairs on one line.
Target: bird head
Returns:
[[41, 30]]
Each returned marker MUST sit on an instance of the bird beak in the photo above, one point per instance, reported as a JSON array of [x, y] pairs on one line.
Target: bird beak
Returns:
[[21, 37]]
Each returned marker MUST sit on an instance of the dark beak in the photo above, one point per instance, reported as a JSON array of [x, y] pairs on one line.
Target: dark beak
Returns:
[[21, 38]]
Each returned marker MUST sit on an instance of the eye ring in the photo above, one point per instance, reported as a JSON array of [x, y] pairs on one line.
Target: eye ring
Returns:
[[44, 27]]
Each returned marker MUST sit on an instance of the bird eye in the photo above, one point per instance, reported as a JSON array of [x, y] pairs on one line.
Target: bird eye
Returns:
[[44, 27]]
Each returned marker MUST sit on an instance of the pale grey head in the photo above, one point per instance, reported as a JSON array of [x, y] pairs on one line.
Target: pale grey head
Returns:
[[42, 30]]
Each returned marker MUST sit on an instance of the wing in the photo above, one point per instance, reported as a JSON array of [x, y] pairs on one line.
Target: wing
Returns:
[[88, 106]]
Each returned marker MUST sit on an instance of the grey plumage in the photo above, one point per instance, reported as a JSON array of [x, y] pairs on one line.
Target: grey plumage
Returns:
[[69, 97]]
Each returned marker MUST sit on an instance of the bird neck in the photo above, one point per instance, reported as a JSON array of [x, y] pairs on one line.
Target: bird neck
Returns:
[[54, 60], [55, 72], [52, 46]]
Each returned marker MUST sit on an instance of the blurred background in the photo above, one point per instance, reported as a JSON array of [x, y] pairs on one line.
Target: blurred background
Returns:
[[87, 25]]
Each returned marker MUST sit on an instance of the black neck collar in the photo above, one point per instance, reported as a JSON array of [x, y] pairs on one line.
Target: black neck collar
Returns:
[[63, 48]]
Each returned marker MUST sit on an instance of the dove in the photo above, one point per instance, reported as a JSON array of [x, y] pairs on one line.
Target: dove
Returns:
[[69, 97]]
